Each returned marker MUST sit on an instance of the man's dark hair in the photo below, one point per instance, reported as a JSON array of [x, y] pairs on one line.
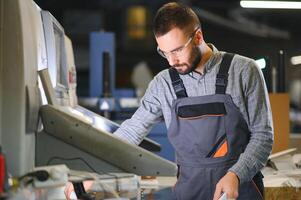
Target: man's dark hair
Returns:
[[173, 15]]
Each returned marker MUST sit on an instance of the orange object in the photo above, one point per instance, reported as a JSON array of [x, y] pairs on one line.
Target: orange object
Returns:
[[222, 151]]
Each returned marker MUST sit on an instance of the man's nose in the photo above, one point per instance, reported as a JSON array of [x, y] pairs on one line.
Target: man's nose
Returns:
[[172, 60]]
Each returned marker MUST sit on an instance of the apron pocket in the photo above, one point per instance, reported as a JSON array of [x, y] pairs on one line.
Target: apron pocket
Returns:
[[220, 149], [201, 110], [197, 130]]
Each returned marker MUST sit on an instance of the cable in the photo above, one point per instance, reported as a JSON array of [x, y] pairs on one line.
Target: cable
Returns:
[[81, 159], [85, 162], [28, 178], [117, 179], [40, 175], [72, 159]]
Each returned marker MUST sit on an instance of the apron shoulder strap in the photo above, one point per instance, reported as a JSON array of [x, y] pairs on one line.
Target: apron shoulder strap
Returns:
[[222, 76], [177, 83]]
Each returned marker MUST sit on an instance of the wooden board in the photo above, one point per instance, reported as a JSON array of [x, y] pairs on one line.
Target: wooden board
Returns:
[[280, 111], [281, 193]]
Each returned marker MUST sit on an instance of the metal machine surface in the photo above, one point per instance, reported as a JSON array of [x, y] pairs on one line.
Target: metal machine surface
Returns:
[[22, 53], [79, 131], [93, 134]]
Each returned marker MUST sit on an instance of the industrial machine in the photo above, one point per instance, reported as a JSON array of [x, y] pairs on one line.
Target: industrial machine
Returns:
[[40, 120]]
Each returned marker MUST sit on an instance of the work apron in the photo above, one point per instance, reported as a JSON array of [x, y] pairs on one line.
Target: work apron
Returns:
[[208, 134]]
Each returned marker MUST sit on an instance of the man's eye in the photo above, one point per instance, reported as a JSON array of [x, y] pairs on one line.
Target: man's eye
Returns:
[[177, 50]]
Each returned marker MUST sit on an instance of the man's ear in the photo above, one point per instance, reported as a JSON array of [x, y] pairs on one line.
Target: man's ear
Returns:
[[198, 37]]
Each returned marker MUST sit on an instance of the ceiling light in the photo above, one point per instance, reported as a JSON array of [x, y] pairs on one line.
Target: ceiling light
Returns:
[[261, 63], [271, 4], [296, 60]]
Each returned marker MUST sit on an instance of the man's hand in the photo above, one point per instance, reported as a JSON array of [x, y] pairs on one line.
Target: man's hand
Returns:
[[69, 190], [229, 185]]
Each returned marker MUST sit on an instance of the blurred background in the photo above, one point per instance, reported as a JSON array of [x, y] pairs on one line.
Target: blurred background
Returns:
[[272, 34]]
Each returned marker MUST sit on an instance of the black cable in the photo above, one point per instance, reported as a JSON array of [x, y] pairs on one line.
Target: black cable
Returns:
[[90, 167], [71, 159], [81, 159], [40, 175]]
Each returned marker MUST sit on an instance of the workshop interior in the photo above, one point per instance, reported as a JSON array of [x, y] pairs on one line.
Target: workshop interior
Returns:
[[72, 71]]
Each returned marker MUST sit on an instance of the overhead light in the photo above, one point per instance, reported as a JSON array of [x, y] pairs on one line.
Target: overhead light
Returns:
[[271, 4], [296, 60], [261, 63]]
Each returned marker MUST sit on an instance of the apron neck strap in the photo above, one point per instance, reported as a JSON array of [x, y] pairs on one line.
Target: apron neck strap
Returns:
[[177, 83], [222, 76]]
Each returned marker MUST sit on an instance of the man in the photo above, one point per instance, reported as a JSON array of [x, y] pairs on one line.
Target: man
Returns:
[[215, 106]]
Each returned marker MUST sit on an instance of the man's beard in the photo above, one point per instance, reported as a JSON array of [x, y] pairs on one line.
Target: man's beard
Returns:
[[194, 64]]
